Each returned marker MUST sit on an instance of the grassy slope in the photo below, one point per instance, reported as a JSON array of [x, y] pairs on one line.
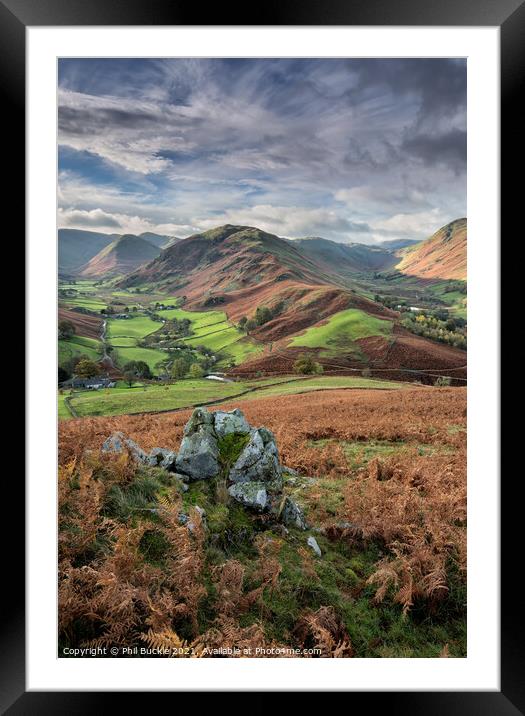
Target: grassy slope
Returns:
[[88, 347], [123, 400], [341, 330], [137, 327], [212, 330]]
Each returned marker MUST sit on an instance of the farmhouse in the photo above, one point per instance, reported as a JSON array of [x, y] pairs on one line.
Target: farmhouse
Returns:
[[95, 383]]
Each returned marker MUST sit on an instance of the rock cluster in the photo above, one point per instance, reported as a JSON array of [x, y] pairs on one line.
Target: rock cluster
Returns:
[[252, 470]]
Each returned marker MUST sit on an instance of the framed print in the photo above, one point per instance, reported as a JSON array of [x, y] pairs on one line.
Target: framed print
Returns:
[[247, 253]]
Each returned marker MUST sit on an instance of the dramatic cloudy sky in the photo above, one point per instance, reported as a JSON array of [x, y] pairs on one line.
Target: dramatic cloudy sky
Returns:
[[352, 150]]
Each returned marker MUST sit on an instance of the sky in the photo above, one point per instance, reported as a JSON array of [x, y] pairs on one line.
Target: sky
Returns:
[[353, 150]]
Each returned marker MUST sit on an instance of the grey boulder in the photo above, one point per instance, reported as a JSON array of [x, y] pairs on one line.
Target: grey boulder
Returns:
[[198, 455], [162, 457], [229, 423], [250, 494], [119, 443], [312, 543], [291, 515], [200, 422], [259, 461]]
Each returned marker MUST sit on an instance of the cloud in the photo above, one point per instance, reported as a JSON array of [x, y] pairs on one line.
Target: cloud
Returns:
[[330, 147], [289, 221], [96, 218], [417, 226], [449, 149], [126, 224]]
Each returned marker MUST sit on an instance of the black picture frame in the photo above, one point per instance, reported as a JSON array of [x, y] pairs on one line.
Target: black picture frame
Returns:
[[509, 16]]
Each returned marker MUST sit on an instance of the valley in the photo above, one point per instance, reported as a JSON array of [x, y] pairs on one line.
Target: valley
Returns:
[[247, 306]]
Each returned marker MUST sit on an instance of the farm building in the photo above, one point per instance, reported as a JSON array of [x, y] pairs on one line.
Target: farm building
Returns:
[[95, 383]]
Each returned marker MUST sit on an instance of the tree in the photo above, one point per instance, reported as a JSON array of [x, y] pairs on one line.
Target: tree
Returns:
[[242, 322], [66, 329], [129, 377], [87, 368], [250, 325], [262, 315], [196, 371], [179, 368], [139, 368], [306, 365]]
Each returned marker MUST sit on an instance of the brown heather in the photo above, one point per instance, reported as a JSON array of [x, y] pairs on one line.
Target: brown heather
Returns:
[[410, 502]]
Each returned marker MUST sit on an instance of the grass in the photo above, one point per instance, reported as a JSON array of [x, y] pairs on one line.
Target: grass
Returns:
[[306, 385], [79, 345], [93, 304], [151, 356], [360, 452], [212, 330], [119, 401], [136, 327], [123, 400], [341, 331], [123, 342], [63, 410]]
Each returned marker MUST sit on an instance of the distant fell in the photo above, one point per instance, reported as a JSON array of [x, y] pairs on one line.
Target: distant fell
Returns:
[[442, 256], [76, 247], [125, 254], [346, 259]]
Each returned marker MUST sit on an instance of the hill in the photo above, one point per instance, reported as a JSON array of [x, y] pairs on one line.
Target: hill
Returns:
[[346, 259], [76, 248], [238, 266], [242, 269], [125, 254], [159, 240], [395, 244], [442, 256]]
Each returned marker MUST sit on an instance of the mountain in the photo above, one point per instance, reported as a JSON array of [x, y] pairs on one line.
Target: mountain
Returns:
[[345, 259], [159, 240], [395, 244], [172, 240], [228, 258], [442, 256], [238, 269], [76, 248], [123, 255]]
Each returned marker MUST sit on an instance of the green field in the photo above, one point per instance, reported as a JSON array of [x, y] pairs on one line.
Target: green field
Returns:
[[151, 356], [186, 393], [63, 411], [92, 304], [306, 385], [341, 330], [118, 401], [79, 345], [212, 330], [136, 327]]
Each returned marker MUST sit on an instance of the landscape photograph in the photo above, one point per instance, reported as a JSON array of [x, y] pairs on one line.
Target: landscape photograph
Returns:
[[262, 358]]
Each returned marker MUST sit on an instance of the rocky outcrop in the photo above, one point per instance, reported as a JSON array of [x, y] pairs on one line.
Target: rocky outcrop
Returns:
[[259, 461], [291, 515], [223, 444], [250, 494], [161, 457], [158, 457], [119, 443], [230, 423]]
